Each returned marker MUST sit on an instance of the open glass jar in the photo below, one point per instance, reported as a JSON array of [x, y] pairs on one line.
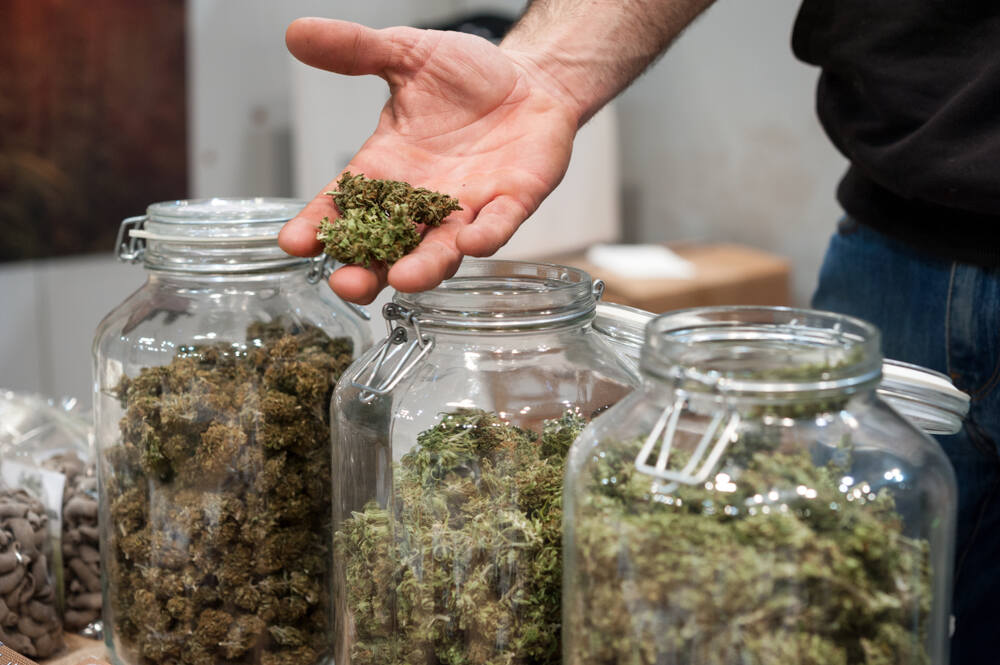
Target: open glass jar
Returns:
[[928, 398], [756, 503], [213, 383], [449, 448]]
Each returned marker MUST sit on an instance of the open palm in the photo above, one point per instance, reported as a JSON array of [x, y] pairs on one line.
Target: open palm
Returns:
[[465, 118]]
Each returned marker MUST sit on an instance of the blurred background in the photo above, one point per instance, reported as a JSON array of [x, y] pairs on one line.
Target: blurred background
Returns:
[[111, 105]]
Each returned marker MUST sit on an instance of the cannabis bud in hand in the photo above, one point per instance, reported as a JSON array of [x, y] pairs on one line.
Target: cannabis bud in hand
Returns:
[[380, 219]]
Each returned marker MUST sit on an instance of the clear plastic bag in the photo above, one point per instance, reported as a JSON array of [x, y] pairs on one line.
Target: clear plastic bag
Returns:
[[46, 455], [80, 544]]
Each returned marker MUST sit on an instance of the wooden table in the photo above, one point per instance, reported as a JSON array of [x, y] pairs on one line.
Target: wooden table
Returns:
[[80, 651]]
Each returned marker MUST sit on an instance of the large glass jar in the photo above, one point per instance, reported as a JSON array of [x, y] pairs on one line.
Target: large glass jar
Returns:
[[213, 383], [757, 503], [449, 448]]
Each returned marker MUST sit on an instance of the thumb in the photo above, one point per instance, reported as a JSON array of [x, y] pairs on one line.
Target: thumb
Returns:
[[343, 47]]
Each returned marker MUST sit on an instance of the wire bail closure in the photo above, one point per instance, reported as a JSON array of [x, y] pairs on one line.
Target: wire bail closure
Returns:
[[713, 444], [392, 356], [597, 288], [128, 247], [320, 269]]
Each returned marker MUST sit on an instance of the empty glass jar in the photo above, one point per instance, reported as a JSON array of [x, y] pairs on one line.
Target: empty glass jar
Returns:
[[449, 448], [757, 503], [213, 383]]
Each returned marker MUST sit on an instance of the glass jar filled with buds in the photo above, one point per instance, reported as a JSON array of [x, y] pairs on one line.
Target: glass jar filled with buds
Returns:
[[213, 384], [756, 502], [450, 441]]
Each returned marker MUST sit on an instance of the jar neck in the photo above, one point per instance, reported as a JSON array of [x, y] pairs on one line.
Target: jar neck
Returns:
[[195, 259], [763, 353], [289, 276]]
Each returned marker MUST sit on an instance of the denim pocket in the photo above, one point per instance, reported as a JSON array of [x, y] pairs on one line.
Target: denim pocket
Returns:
[[973, 329]]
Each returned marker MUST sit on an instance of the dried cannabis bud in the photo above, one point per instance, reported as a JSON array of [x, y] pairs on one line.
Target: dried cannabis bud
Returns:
[[221, 502], [782, 564], [465, 566], [380, 219]]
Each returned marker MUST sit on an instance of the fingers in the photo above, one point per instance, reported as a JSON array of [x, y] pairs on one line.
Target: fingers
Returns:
[[298, 235], [493, 227], [358, 285], [343, 47], [298, 238], [434, 260], [438, 256]]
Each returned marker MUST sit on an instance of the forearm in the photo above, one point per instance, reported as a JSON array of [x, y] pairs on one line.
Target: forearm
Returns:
[[590, 50]]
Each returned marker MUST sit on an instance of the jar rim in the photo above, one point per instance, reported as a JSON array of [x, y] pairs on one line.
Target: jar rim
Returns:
[[776, 351], [493, 294]]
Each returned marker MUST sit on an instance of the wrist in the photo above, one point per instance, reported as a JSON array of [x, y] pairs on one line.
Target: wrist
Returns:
[[588, 51], [571, 84], [581, 81]]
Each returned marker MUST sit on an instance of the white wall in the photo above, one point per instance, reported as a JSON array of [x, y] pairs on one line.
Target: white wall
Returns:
[[50, 310], [240, 75], [720, 141]]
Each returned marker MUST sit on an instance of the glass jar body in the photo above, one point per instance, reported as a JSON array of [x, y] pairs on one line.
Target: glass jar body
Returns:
[[212, 428], [448, 485], [736, 526]]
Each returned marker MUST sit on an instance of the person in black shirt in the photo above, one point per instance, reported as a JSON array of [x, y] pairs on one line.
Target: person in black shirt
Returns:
[[909, 91]]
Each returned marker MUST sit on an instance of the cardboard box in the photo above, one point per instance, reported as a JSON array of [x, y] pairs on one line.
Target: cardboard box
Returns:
[[725, 274]]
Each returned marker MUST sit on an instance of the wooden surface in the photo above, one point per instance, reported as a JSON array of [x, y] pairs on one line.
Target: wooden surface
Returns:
[[80, 651]]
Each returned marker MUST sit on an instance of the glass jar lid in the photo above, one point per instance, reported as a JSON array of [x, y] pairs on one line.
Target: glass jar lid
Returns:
[[210, 235], [622, 325], [928, 398], [257, 218]]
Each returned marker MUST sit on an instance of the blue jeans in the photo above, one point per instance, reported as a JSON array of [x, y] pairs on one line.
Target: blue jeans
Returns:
[[945, 316]]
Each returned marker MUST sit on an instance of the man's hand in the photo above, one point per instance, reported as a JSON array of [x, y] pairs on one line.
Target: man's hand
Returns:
[[464, 118]]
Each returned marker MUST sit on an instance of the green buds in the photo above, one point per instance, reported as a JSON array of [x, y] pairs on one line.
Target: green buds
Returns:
[[380, 219]]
